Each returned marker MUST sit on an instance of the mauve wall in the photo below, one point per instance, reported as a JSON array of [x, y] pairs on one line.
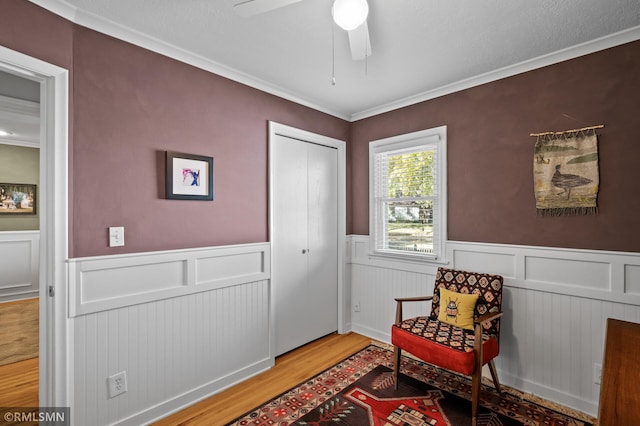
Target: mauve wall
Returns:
[[130, 105], [31, 30], [490, 152]]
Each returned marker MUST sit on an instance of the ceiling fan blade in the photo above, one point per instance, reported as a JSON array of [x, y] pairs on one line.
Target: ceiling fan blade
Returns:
[[360, 42], [247, 8]]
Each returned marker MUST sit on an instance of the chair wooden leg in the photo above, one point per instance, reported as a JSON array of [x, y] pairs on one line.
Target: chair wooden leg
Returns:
[[494, 376], [396, 364], [476, 380]]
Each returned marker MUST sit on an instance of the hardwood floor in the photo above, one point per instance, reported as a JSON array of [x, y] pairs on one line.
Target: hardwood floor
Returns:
[[19, 353], [290, 369], [19, 330], [19, 384]]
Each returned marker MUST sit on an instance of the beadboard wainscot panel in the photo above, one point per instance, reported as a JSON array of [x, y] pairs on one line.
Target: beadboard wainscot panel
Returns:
[[376, 282], [182, 324], [19, 263], [556, 304]]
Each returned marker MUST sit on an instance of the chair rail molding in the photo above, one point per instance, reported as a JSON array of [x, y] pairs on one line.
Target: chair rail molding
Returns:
[[592, 274], [111, 282]]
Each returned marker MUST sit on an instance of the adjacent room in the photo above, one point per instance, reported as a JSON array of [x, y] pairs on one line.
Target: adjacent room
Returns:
[[19, 239], [230, 212]]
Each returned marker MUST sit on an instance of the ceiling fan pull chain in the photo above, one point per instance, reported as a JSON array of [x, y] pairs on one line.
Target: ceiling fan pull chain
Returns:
[[333, 54], [366, 56]]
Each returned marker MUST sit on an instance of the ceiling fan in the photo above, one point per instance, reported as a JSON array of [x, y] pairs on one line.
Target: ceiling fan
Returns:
[[351, 15]]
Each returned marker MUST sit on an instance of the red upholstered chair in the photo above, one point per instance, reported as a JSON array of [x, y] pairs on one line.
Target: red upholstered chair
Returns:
[[449, 346]]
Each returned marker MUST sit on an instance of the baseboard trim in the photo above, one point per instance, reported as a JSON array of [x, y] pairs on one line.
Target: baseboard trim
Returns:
[[372, 333], [196, 395], [547, 393]]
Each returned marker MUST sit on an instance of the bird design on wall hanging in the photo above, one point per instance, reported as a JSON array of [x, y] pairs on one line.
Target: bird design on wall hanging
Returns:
[[567, 181], [566, 161]]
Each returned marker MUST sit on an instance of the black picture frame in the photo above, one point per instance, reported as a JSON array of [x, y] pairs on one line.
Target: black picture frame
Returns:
[[18, 199], [189, 177]]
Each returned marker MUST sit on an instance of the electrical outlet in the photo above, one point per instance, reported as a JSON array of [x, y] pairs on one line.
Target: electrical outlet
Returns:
[[117, 384], [597, 373], [356, 306]]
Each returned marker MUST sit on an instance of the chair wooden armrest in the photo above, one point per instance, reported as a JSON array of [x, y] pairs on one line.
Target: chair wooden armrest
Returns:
[[413, 299], [489, 316], [408, 299]]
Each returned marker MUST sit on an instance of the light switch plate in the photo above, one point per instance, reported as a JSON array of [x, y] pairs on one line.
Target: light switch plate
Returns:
[[116, 236]]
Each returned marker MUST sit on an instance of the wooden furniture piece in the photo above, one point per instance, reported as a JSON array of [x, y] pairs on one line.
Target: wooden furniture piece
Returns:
[[445, 345], [620, 386]]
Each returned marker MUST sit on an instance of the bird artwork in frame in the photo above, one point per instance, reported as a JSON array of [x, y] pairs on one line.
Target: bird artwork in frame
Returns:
[[565, 172]]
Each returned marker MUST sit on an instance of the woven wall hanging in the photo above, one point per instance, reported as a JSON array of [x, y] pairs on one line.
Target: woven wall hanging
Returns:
[[565, 172]]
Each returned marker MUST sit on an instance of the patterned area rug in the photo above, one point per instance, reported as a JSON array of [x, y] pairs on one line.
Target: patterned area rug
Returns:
[[360, 391]]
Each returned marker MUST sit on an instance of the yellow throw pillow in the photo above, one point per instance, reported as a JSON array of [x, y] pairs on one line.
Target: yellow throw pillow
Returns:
[[457, 308]]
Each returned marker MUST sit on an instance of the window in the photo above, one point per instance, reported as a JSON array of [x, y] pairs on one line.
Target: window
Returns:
[[407, 181]]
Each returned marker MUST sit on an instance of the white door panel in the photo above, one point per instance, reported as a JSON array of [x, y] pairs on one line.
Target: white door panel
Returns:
[[304, 240], [289, 274], [323, 237]]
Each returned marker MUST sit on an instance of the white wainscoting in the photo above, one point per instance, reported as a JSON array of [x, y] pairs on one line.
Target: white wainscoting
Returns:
[[556, 304], [19, 265], [183, 324]]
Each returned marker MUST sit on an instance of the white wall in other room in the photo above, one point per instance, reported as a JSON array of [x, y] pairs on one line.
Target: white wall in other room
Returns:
[[19, 265]]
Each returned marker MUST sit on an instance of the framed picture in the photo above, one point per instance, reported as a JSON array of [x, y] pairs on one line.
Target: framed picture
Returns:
[[17, 198], [189, 177]]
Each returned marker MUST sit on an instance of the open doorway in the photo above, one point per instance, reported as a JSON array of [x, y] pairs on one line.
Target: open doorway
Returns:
[[19, 240], [51, 203]]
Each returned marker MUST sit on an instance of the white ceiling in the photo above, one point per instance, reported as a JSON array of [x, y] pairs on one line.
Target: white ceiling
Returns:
[[22, 119], [19, 110], [421, 48]]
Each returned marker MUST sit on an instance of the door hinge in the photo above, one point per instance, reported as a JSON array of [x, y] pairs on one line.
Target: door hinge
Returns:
[[52, 291]]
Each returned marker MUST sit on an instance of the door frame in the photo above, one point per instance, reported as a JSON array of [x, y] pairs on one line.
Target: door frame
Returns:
[[54, 336], [277, 129]]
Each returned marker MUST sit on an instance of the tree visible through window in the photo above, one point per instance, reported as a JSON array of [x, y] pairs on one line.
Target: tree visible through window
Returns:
[[407, 194], [409, 211]]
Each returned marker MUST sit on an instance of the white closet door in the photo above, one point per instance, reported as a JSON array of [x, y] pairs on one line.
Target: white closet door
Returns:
[[304, 240], [323, 238]]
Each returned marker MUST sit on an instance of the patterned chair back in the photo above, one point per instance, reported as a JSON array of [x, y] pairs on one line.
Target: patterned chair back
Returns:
[[488, 287]]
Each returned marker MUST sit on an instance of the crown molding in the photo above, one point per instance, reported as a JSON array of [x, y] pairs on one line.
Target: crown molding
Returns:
[[602, 43], [24, 144], [22, 114], [59, 7], [102, 25], [113, 29], [19, 106]]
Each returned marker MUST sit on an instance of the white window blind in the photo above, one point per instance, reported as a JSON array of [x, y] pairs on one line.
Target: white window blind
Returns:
[[406, 181]]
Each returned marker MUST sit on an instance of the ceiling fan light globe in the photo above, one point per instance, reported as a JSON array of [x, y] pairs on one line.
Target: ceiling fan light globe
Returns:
[[350, 14]]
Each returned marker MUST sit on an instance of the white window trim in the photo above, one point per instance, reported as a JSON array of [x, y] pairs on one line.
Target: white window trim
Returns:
[[409, 140]]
